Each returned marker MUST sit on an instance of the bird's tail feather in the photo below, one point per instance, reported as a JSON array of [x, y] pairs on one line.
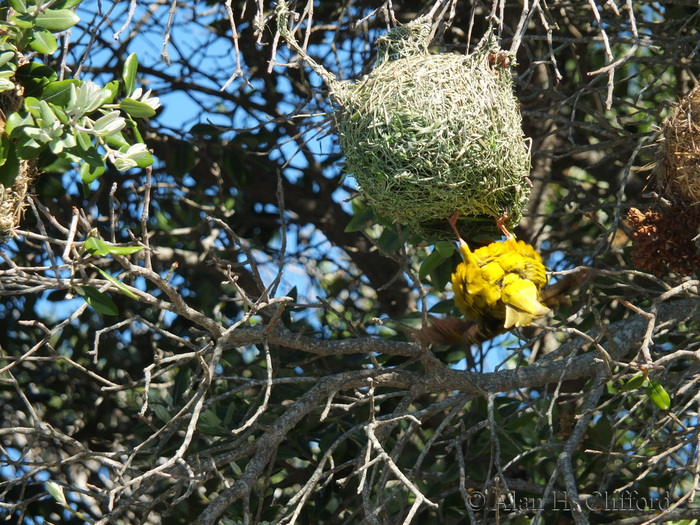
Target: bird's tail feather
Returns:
[[452, 330]]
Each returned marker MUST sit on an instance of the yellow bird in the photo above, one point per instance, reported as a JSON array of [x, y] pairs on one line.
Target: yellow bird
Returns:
[[500, 283], [497, 287]]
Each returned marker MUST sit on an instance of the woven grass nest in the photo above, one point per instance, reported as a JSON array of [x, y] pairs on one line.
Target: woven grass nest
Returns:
[[665, 237], [426, 135], [12, 196], [678, 166]]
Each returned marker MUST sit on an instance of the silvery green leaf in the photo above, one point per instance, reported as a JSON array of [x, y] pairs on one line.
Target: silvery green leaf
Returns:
[[136, 156], [137, 152], [6, 85], [56, 146], [109, 124], [123, 164], [90, 97], [56, 492], [6, 56], [47, 116], [72, 98], [38, 134], [16, 121]]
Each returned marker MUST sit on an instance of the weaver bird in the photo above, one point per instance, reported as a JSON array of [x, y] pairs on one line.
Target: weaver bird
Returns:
[[497, 287], [499, 282]]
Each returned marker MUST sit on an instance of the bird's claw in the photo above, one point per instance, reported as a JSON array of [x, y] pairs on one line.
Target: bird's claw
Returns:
[[500, 222], [452, 219]]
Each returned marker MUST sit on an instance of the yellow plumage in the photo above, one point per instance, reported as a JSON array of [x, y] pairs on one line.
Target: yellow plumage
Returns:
[[501, 281], [497, 287]]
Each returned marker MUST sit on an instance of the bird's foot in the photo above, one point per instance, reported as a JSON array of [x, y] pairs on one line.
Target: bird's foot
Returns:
[[500, 222], [453, 222]]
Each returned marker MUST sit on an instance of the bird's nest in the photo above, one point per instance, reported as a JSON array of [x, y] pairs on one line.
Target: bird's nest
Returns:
[[427, 135], [666, 236], [13, 191], [678, 167]]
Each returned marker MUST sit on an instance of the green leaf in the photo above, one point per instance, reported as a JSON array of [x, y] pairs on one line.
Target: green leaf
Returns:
[[34, 77], [42, 41], [100, 248], [22, 21], [60, 114], [131, 64], [56, 20], [6, 56], [66, 4], [96, 246], [658, 395], [443, 307], [59, 92], [84, 140], [442, 275], [633, 384], [162, 412], [5, 148], [48, 117], [136, 109], [181, 384], [100, 302], [27, 148], [18, 5], [16, 121], [88, 173], [94, 159], [113, 88], [120, 285], [431, 262], [389, 241], [206, 131], [144, 161], [123, 250], [445, 248], [10, 168], [33, 106], [360, 220], [210, 423], [117, 140]]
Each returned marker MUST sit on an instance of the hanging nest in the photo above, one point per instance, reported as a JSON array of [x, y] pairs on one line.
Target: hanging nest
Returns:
[[665, 237], [678, 167], [426, 135], [13, 193], [664, 240]]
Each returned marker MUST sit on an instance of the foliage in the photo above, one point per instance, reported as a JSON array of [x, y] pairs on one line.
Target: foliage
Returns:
[[61, 120], [222, 336]]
